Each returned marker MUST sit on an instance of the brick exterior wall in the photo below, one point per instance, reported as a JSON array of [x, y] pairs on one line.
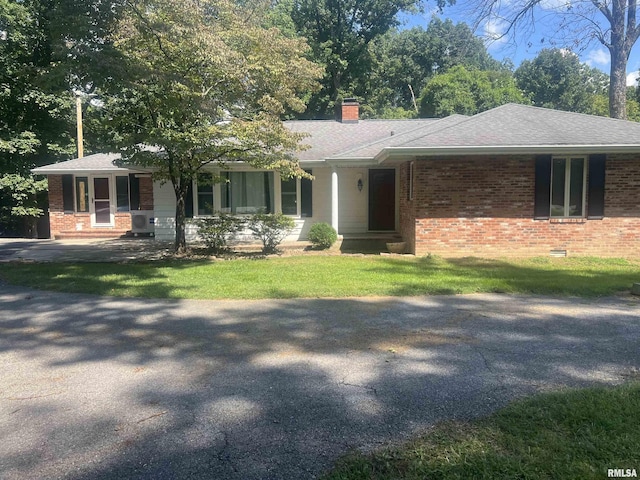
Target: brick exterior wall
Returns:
[[484, 206], [62, 222], [146, 193]]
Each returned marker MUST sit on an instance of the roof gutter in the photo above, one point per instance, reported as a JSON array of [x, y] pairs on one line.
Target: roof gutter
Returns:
[[391, 153]]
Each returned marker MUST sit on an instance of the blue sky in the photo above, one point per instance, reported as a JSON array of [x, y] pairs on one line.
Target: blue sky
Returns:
[[528, 44]]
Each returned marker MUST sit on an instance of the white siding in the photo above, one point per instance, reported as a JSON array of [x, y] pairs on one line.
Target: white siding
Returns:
[[352, 216], [353, 204], [164, 207]]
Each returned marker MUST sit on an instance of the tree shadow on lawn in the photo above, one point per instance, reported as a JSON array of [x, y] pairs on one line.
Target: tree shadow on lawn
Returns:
[[99, 387], [592, 277]]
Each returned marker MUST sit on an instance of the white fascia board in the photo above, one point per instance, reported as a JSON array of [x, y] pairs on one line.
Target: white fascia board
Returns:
[[352, 162], [57, 171], [393, 152]]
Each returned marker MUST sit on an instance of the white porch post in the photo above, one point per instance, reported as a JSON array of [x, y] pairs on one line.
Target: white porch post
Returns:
[[334, 198]]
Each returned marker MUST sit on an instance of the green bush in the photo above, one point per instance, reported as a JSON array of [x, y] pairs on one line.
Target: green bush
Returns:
[[322, 235], [271, 229], [216, 231]]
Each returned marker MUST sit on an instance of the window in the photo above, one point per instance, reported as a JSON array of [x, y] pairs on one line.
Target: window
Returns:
[[289, 196], [82, 194], [122, 194], [205, 195], [247, 192], [67, 193], [567, 187]]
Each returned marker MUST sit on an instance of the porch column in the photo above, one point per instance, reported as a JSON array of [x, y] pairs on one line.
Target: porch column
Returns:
[[334, 198]]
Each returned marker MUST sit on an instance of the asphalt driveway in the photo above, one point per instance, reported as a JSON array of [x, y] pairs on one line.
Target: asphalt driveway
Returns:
[[105, 388]]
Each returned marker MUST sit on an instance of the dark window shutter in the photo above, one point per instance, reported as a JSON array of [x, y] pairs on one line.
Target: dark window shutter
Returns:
[[67, 193], [306, 196], [188, 202], [595, 189], [543, 187], [134, 191]]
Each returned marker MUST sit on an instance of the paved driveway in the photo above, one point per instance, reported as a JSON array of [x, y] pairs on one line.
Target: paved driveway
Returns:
[[101, 388]]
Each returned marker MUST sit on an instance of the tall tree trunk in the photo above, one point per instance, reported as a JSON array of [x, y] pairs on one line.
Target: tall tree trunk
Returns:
[[181, 238], [618, 85]]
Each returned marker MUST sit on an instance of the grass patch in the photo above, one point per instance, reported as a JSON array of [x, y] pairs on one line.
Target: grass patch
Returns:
[[329, 276], [575, 435]]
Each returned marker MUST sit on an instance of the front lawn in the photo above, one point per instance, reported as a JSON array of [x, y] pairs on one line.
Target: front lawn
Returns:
[[329, 276], [576, 435]]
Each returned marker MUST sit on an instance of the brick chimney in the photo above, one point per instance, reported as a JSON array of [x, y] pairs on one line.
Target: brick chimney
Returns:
[[349, 111]]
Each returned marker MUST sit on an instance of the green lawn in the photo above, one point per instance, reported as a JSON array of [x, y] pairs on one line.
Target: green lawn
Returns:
[[329, 276], [575, 435]]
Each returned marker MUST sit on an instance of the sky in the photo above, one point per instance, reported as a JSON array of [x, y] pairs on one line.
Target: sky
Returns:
[[526, 45]]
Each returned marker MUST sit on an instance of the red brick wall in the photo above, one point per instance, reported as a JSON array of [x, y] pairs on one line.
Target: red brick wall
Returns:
[[484, 206], [61, 222], [146, 193]]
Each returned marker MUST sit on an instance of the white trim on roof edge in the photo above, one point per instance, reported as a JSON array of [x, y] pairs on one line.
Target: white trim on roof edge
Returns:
[[390, 152]]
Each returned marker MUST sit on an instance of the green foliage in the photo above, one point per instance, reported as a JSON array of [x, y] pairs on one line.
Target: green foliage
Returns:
[[206, 83], [51, 48], [271, 229], [218, 230], [22, 191], [557, 79], [468, 91], [322, 235], [405, 60], [339, 33], [576, 434]]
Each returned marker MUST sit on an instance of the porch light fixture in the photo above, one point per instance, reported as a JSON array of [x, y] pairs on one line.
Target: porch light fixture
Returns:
[[360, 185]]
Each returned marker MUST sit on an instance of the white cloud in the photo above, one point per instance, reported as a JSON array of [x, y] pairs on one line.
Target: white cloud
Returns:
[[632, 79], [597, 57], [555, 4], [494, 31]]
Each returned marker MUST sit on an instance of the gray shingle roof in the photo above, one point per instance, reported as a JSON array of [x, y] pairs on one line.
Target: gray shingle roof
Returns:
[[512, 124], [98, 162], [506, 129], [329, 138]]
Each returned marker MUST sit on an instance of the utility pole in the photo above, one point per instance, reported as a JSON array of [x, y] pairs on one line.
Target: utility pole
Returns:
[[79, 125]]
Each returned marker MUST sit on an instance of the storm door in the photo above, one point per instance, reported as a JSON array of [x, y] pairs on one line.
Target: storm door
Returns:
[[101, 201]]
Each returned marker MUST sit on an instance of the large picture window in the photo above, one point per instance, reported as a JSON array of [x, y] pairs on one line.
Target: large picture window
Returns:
[[247, 192], [289, 196], [567, 187], [205, 195]]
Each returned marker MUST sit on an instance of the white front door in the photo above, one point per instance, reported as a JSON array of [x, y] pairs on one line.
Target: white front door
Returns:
[[101, 202]]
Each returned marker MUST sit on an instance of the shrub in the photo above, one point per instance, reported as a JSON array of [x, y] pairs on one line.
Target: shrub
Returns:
[[322, 235], [216, 231], [271, 229]]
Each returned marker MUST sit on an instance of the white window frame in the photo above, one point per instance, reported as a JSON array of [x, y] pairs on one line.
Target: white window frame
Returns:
[[567, 185]]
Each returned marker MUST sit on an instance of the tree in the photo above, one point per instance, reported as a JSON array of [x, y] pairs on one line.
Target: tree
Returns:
[[403, 61], [339, 33], [557, 79], [467, 92], [612, 23], [47, 48], [202, 83]]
